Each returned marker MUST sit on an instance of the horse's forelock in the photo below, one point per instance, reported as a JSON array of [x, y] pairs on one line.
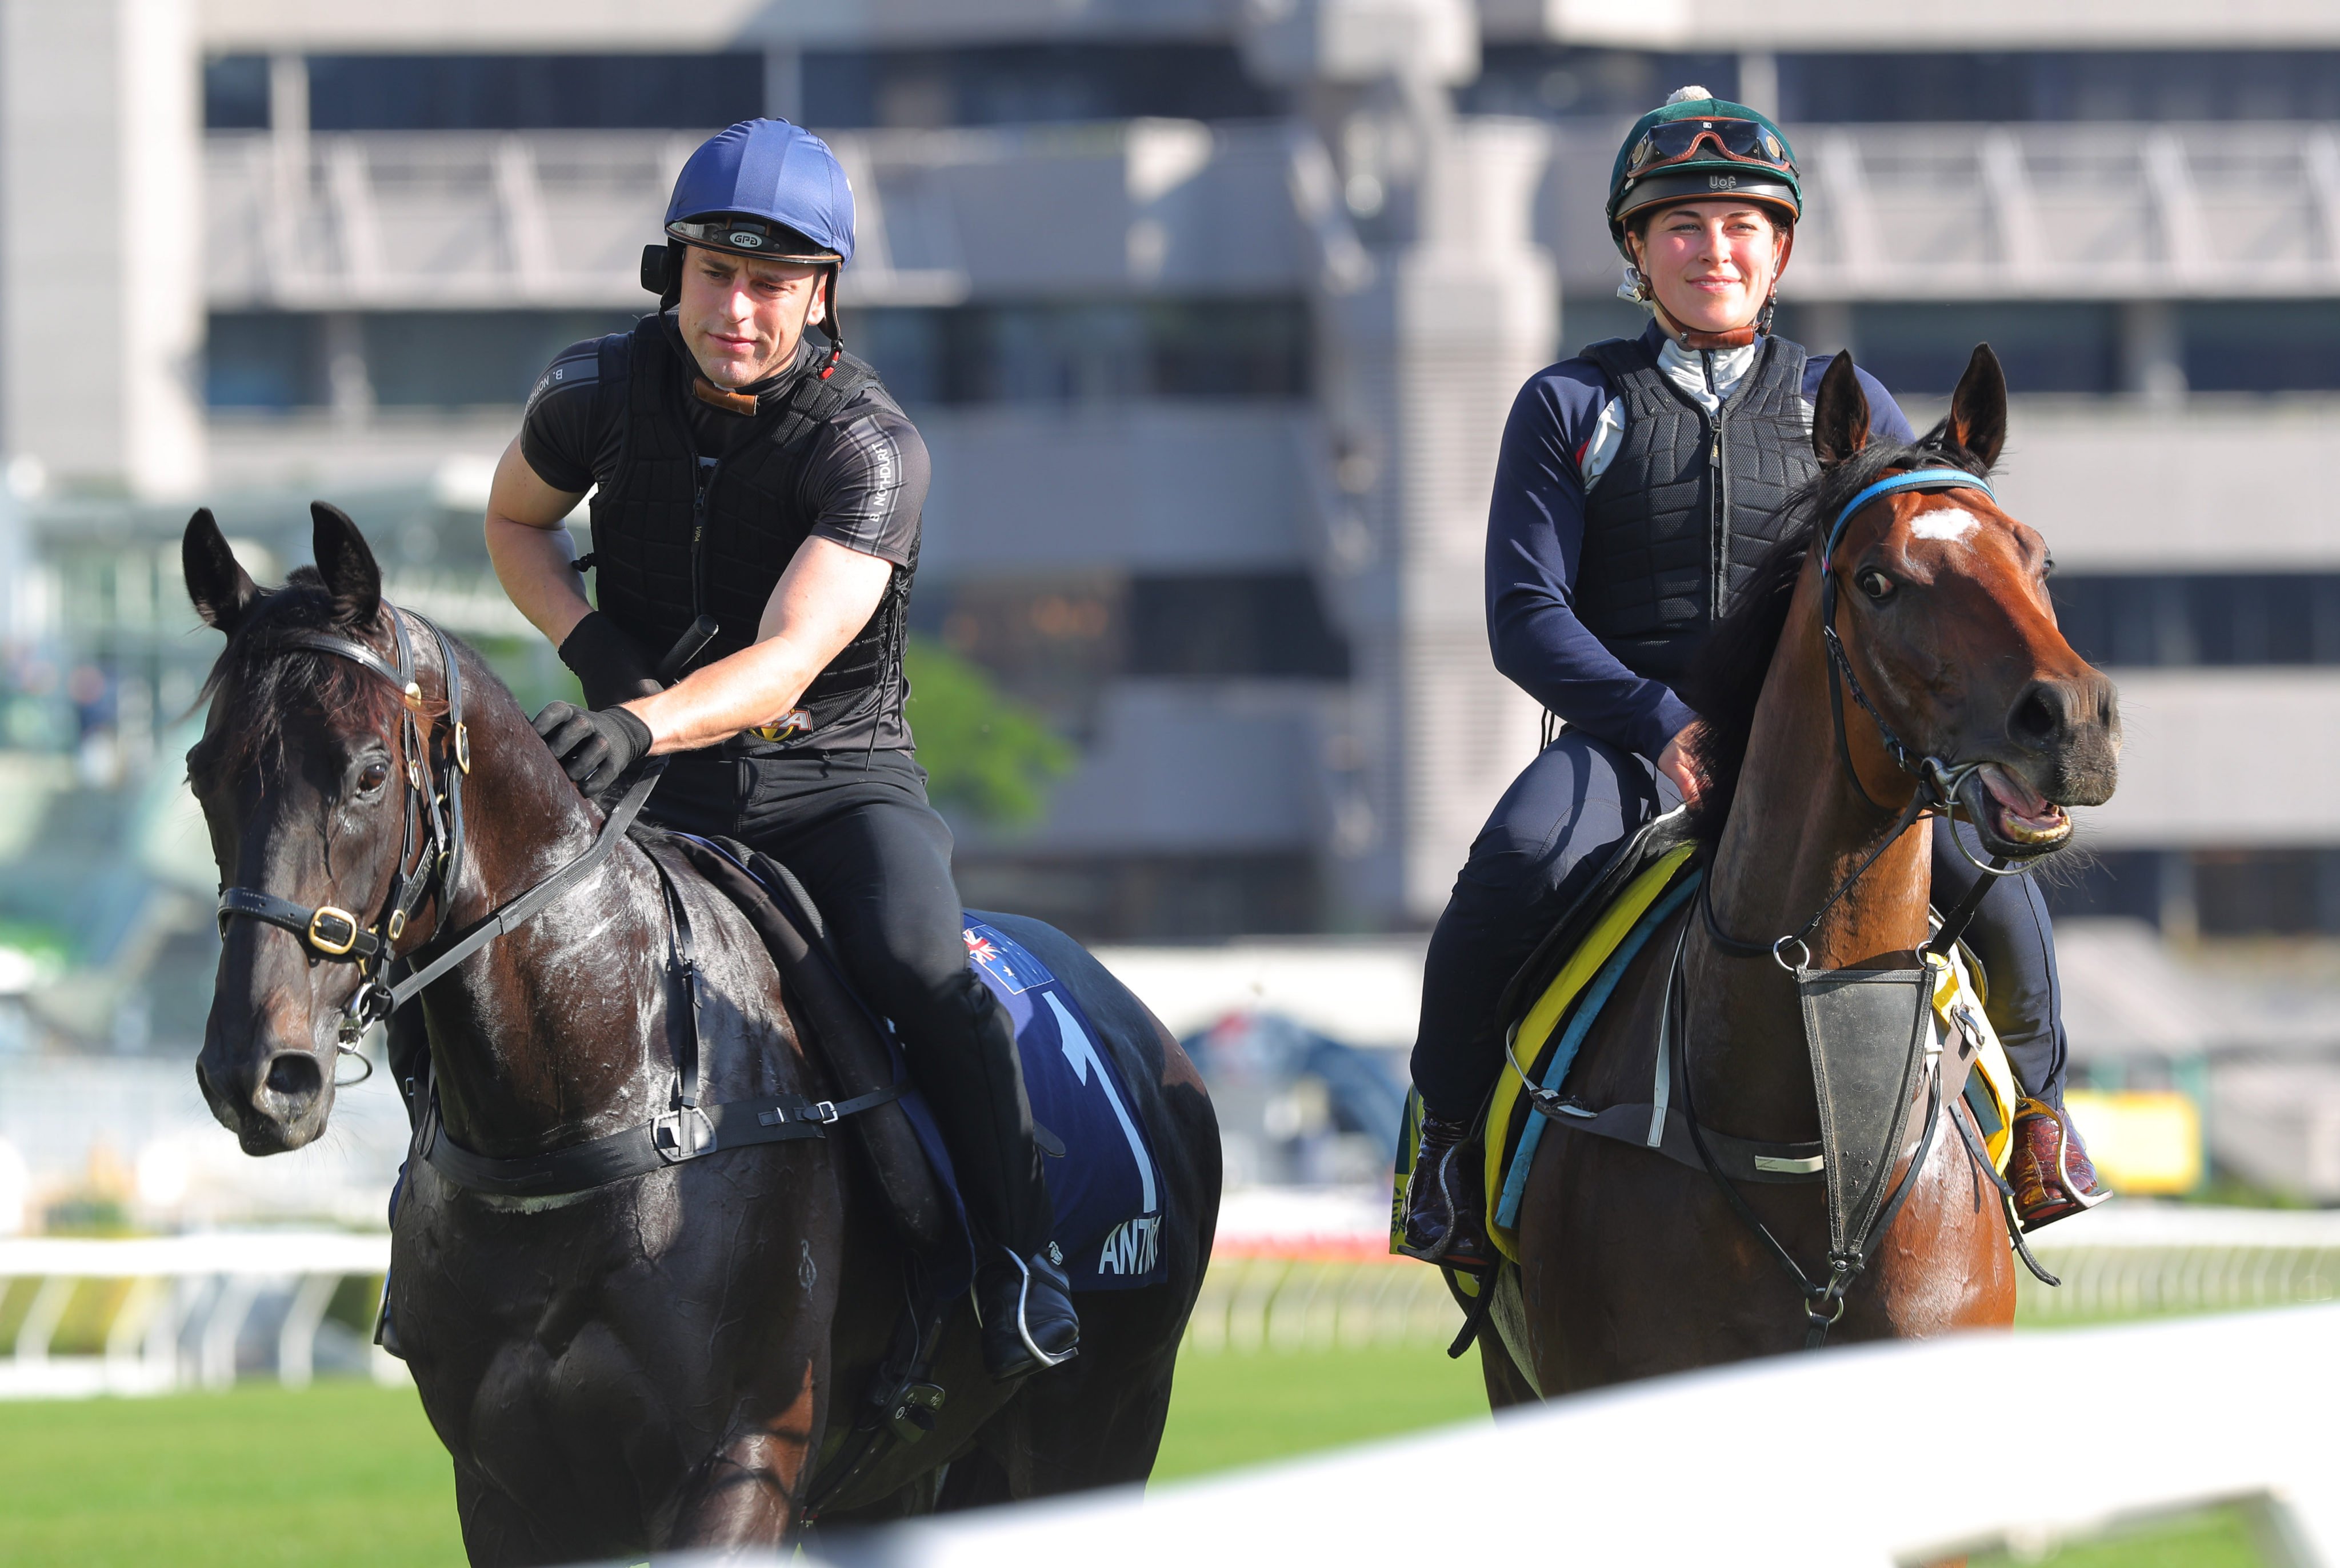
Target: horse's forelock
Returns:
[[1725, 679], [258, 686]]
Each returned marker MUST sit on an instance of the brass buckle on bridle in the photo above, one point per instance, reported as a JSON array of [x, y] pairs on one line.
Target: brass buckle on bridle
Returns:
[[335, 946]]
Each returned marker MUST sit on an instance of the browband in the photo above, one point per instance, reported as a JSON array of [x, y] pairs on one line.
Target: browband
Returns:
[[1915, 479]]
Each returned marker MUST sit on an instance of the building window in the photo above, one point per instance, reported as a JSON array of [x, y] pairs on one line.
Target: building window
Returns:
[[1554, 81], [1026, 83], [533, 92], [235, 93], [2261, 345], [2044, 347], [1150, 898], [276, 360], [1088, 352], [2170, 619], [2059, 84], [1222, 625], [2257, 892]]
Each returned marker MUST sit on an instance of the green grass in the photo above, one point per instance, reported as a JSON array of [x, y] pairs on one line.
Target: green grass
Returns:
[[351, 1476], [343, 1474], [2207, 1538], [1232, 1410]]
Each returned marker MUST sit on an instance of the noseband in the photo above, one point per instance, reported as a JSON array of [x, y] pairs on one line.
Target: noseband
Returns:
[[432, 854], [1939, 781]]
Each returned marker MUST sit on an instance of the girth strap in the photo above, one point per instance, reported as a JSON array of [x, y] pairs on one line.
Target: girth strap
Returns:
[[640, 1149]]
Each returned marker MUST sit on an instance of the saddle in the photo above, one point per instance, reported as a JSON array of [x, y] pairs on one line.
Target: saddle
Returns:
[[1559, 993]]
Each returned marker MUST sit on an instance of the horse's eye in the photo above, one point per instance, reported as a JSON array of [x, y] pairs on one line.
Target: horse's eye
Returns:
[[373, 776], [1875, 584]]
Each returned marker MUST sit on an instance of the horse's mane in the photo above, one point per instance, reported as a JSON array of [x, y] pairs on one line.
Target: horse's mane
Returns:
[[1726, 677], [265, 683]]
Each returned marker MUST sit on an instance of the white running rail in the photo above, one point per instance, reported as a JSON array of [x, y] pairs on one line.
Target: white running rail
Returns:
[[1858, 1458], [175, 1308]]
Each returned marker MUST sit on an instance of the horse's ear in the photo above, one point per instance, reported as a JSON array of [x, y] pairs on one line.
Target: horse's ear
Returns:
[[1978, 408], [347, 565], [217, 582], [1840, 415]]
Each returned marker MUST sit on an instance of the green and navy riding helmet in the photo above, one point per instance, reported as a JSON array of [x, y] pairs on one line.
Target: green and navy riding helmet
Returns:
[[1701, 147]]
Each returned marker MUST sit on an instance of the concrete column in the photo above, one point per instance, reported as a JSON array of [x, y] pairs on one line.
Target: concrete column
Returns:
[[2152, 351], [1423, 340], [100, 243], [784, 83], [1758, 82]]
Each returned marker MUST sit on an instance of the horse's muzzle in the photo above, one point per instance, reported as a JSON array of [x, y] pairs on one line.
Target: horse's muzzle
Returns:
[[2068, 730], [271, 1100]]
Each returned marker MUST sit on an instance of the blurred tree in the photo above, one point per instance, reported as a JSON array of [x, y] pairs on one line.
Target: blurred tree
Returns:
[[984, 753]]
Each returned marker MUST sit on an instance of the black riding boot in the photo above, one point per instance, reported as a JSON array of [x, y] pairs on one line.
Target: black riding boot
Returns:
[[1445, 1222], [1027, 1309], [974, 1083]]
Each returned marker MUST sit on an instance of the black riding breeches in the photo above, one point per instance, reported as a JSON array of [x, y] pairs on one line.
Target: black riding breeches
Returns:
[[1546, 841], [876, 858]]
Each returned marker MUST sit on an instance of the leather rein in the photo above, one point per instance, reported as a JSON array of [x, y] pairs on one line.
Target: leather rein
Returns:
[[1939, 784], [432, 855]]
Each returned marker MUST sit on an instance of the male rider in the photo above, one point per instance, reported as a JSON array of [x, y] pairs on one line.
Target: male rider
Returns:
[[742, 471]]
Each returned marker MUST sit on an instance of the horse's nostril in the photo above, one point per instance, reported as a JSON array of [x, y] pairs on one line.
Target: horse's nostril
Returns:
[[295, 1075], [2038, 717]]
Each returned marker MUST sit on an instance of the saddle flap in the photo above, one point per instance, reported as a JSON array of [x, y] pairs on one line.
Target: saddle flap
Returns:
[[1868, 1032]]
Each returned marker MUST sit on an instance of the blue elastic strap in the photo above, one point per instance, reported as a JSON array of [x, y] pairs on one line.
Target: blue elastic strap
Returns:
[[1915, 479]]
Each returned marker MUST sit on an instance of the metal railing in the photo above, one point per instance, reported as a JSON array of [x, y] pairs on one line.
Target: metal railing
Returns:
[[177, 1311]]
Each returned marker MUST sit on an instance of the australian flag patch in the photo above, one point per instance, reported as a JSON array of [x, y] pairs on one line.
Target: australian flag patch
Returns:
[[1106, 1188]]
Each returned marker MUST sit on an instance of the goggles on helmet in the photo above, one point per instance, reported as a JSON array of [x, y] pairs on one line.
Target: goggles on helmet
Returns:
[[1680, 141], [751, 237]]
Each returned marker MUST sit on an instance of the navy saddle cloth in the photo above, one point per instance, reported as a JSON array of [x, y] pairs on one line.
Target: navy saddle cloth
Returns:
[[1105, 1186], [1103, 1179]]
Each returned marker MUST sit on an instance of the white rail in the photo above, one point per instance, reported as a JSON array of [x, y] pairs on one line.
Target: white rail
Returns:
[[1867, 1457], [189, 1301]]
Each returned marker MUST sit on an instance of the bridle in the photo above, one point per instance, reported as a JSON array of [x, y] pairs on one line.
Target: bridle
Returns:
[[1939, 782], [432, 852]]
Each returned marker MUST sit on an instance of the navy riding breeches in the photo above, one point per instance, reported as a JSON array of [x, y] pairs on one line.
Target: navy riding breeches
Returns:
[[1546, 841]]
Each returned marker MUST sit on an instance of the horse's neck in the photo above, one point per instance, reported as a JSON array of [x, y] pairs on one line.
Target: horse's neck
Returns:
[[515, 1048], [1798, 828]]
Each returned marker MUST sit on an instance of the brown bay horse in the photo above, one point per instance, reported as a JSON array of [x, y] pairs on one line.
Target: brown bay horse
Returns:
[[657, 1362], [1632, 1264]]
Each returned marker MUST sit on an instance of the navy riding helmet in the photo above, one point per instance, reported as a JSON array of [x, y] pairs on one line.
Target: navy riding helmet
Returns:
[[760, 188]]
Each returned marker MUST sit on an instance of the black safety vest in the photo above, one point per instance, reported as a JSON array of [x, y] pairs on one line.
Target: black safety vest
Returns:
[[677, 535], [1690, 502]]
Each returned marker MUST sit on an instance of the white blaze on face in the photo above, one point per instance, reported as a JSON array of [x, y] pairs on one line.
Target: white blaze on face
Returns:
[[1944, 522]]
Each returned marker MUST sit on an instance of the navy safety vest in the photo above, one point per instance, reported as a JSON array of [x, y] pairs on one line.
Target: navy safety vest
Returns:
[[677, 535], [1690, 502]]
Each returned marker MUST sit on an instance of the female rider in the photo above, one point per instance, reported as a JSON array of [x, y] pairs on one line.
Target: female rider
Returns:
[[1638, 486]]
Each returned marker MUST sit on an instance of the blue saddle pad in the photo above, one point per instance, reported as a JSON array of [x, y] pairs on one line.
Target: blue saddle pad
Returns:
[[1106, 1188]]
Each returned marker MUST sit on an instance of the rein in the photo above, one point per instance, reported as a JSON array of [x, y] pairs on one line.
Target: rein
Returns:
[[431, 853], [688, 1130], [1829, 999]]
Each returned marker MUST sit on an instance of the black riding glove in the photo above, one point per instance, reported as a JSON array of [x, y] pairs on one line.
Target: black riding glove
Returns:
[[593, 747], [609, 663]]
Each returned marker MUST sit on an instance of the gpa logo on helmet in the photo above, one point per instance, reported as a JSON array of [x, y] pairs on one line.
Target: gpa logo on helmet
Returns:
[[1722, 182], [745, 240]]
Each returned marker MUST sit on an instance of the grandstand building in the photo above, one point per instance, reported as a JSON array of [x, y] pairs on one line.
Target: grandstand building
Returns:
[[1210, 310]]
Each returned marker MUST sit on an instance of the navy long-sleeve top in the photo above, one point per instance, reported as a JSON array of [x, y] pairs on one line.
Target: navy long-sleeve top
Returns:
[[1535, 545]]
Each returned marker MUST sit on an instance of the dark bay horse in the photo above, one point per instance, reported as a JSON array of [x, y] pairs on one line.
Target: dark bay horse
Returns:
[[655, 1363], [1632, 1264]]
